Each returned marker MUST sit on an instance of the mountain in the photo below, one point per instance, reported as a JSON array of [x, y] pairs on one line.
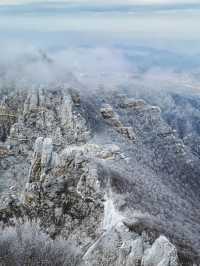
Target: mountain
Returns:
[[112, 173]]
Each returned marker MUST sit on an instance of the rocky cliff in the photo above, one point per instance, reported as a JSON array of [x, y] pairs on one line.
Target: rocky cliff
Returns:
[[103, 170]]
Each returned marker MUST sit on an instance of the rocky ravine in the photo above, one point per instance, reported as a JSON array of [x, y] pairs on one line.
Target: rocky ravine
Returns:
[[103, 171]]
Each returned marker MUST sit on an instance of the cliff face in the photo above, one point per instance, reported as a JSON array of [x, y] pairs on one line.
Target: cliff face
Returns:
[[104, 171]]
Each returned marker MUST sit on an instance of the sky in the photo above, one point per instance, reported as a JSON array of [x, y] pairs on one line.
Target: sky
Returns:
[[162, 19], [151, 32], [158, 36], [164, 24], [133, 2]]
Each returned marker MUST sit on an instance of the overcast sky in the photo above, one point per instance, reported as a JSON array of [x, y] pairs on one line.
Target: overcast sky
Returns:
[[147, 2], [103, 34], [170, 22]]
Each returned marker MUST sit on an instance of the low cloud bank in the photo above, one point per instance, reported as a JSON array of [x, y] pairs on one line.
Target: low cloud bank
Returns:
[[24, 65]]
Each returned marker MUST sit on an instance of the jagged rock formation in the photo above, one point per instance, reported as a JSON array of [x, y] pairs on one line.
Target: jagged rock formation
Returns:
[[104, 171], [113, 119]]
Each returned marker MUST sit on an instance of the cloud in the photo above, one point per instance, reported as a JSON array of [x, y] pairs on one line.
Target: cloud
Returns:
[[104, 2], [24, 64], [41, 27]]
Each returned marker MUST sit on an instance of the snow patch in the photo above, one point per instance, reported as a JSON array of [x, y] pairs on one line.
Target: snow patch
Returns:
[[111, 216]]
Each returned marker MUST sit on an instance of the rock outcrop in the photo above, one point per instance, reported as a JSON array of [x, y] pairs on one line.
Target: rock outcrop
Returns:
[[162, 252], [113, 119]]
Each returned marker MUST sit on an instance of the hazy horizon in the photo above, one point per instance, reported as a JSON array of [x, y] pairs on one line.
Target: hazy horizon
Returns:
[[165, 26], [96, 37]]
